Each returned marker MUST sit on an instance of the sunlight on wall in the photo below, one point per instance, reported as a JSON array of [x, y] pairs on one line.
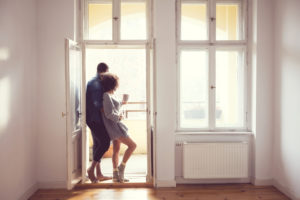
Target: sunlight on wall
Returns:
[[4, 54], [193, 22], [133, 21], [99, 13], [100, 21], [4, 102]]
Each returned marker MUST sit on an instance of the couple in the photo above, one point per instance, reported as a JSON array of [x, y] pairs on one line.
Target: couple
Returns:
[[104, 119]]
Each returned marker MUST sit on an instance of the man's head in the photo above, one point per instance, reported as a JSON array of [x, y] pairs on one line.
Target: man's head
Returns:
[[102, 68]]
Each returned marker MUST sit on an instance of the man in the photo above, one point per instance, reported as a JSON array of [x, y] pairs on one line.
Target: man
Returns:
[[94, 121]]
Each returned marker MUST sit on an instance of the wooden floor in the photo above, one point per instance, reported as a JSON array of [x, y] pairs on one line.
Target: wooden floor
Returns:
[[181, 192]]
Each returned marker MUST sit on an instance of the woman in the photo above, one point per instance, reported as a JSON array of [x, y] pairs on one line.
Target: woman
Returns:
[[117, 131]]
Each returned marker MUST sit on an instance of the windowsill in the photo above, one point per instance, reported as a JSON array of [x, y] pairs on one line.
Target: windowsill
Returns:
[[223, 133]]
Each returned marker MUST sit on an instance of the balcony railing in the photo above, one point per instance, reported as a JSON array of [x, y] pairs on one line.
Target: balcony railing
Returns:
[[135, 110]]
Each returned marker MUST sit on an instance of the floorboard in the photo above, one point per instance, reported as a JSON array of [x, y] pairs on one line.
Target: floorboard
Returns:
[[181, 192]]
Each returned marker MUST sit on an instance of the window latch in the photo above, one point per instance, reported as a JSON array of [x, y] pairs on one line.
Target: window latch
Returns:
[[212, 87], [116, 18], [212, 19]]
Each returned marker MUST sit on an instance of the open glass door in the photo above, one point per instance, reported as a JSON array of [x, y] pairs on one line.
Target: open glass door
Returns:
[[73, 73]]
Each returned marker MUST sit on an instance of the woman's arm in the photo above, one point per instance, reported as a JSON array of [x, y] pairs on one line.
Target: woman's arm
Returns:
[[109, 111]]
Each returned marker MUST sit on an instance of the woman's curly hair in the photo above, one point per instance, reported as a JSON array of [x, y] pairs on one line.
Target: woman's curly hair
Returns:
[[109, 82]]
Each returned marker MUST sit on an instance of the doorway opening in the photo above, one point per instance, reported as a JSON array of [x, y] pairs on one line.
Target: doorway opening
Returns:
[[130, 65]]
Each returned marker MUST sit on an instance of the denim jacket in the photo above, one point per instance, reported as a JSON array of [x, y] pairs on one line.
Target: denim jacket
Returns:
[[94, 94]]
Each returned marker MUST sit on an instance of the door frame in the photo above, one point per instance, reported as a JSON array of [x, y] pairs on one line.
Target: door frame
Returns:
[[151, 100], [85, 136]]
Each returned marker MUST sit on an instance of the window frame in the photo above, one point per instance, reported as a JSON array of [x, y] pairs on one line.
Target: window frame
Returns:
[[212, 45], [116, 24]]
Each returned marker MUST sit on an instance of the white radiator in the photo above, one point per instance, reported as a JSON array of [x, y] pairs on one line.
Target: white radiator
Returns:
[[215, 160]]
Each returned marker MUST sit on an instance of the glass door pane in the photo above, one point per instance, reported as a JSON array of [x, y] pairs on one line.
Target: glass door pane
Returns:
[[75, 86], [133, 20], [229, 89], [100, 21], [228, 21], [194, 21], [194, 89]]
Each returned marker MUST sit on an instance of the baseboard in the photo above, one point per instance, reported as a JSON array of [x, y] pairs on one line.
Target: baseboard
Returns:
[[262, 182], [181, 180], [52, 185], [29, 192], [285, 190], [165, 183]]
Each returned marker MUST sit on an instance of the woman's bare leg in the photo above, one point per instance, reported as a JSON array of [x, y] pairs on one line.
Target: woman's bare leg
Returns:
[[115, 156], [131, 146], [115, 160]]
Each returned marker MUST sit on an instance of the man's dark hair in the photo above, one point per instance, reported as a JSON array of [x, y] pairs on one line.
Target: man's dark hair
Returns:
[[109, 82], [102, 67]]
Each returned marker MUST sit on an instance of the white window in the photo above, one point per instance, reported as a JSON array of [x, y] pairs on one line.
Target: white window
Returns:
[[116, 20], [212, 45]]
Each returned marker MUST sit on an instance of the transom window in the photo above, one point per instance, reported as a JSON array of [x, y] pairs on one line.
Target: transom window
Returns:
[[116, 20], [211, 43]]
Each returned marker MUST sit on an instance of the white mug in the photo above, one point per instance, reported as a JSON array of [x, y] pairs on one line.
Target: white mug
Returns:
[[125, 97]]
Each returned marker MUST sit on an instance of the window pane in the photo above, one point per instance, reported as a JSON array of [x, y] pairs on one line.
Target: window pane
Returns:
[[100, 21], [193, 89], [133, 21], [193, 21], [227, 21], [229, 89]]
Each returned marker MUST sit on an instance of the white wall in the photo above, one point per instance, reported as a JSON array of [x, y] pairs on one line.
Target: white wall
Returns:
[[164, 32], [55, 20], [261, 37], [17, 97], [286, 151]]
